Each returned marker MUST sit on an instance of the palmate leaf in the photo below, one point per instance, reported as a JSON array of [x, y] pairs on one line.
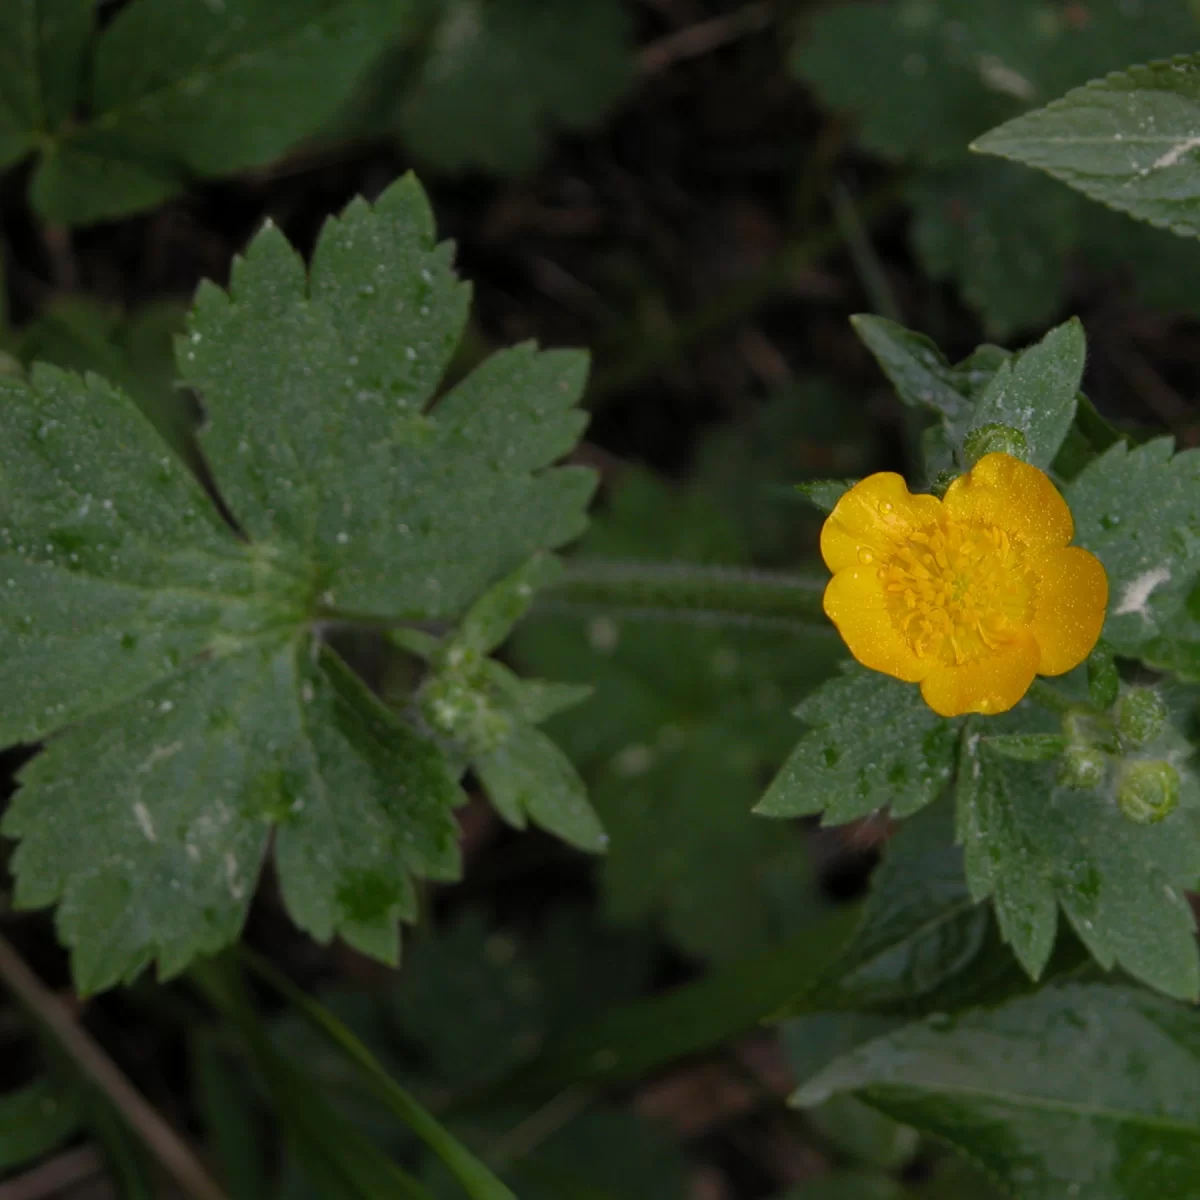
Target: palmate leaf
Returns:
[[1075, 1091], [205, 90], [178, 665], [500, 74]]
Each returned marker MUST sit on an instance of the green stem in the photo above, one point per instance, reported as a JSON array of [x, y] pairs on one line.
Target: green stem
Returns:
[[94, 1064], [682, 591], [734, 304]]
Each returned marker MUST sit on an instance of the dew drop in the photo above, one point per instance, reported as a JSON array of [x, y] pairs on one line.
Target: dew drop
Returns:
[[886, 506], [865, 556]]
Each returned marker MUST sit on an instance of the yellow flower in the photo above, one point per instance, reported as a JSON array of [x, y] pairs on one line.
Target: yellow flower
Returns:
[[970, 596]]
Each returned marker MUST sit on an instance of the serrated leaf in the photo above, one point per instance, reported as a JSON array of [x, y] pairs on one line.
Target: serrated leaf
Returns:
[[924, 77], [332, 365], [1128, 140], [42, 49], [921, 926], [205, 91], [1138, 511], [175, 661], [33, 1121], [528, 776], [133, 350], [1075, 1090], [917, 368], [113, 576], [501, 74], [1034, 392], [874, 743], [1033, 846], [825, 493], [491, 618], [1004, 235], [149, 822]]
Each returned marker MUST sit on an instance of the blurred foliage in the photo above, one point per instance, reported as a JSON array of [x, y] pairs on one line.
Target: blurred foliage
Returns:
[[650, 177]]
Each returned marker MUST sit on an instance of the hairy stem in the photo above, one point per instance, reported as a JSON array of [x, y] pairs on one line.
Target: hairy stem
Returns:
[[686, 592]]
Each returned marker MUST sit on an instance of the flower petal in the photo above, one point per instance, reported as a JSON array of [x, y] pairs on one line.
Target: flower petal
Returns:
[[857, 604], [987, 685], [1069, 612], [873, 516], [1004, 491]]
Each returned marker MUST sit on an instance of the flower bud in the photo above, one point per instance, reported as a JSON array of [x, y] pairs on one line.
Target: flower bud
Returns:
[[1140, 715], [1148, 791], [994, 439], [1082, 768]]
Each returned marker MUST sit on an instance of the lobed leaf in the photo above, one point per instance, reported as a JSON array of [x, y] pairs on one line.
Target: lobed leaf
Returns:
[[176, 666], [874, 743], [206, 90], [1032, 846], [1076, 1090]]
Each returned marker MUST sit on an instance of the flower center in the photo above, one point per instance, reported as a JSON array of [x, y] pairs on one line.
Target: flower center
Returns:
[[957, 591]]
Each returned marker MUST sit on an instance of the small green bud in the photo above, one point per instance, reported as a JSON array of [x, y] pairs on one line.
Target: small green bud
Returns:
[[1148, 791], [994, 439], [1140, 715], [1082, 768], [457, 706]]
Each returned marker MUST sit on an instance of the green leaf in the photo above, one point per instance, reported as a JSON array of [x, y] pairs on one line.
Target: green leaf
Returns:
[[500, 75], [149, 821], [920, 928], [42, 50], [1138, 511], [179, 664], [1034, 392], [1128, 140], [926, 76], [918, 370], [1002, 234], [527, 775], [208, 91], [874, 742], [33, 1121], [134, 351], [1076, 1090], [864, 1135], [492, 617], [825, 493], [1033, 846], [335, 364], [1027, 747]]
